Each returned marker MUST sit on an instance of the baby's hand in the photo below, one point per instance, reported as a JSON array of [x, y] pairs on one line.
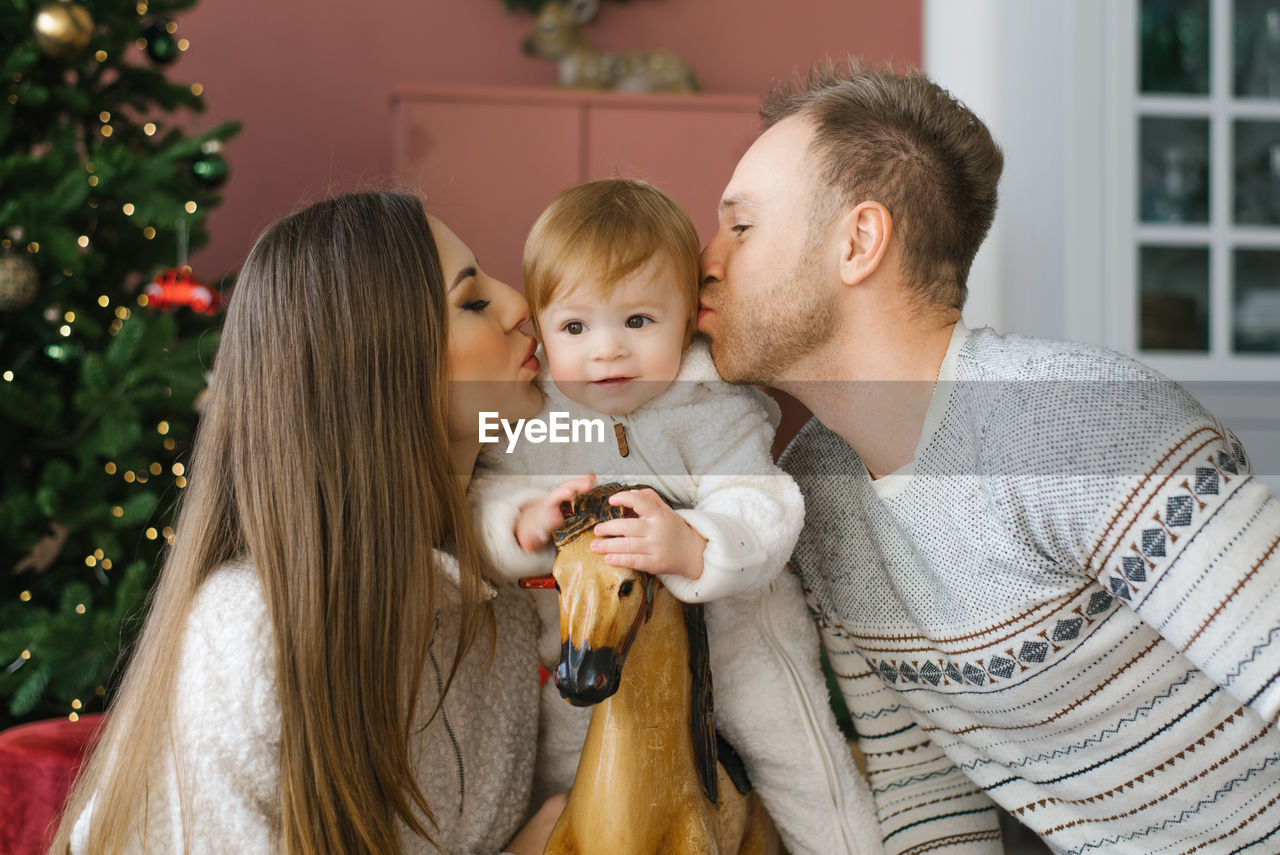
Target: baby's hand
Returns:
[[538, 520], [658, 540]]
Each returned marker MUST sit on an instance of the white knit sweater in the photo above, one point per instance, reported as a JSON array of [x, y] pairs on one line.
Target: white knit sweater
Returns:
[[1068, 603], [475, 762]]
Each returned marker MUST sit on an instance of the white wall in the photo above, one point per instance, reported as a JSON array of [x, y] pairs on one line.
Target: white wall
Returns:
[[1006, 60]]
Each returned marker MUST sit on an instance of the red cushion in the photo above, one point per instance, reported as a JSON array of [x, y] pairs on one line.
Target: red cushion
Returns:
[[38, 763]]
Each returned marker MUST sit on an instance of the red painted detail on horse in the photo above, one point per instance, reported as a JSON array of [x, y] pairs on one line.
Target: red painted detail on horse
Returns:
[[538, 583]]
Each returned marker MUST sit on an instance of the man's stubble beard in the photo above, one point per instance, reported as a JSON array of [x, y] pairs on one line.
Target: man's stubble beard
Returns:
[[795, 318]]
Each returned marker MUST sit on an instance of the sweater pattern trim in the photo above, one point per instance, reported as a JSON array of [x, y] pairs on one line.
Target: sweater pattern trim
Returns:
[[1148, 542]]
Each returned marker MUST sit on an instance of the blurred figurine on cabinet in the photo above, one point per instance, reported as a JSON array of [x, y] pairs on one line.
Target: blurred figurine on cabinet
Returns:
[[557, 34]]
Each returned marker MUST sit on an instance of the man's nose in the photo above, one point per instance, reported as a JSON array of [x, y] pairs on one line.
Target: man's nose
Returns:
[[712, 263]]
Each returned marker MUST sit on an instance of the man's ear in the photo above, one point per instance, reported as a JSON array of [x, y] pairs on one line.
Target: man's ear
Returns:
[[864, 234]]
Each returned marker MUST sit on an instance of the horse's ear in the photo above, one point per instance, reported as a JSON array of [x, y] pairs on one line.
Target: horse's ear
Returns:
[[702, 726]]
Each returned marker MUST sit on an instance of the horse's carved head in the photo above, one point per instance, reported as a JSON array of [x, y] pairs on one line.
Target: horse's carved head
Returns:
[[601, 606]]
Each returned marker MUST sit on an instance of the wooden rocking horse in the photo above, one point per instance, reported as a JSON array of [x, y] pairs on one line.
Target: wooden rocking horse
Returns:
[[648, 781]]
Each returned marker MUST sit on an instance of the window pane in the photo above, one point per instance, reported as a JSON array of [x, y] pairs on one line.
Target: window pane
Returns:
[[1256, 64], [1257, 301], [1175, 46], [1174, 175], [1257, 171], [1173, 312]]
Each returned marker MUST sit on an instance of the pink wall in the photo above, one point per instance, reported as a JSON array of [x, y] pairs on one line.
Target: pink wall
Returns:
[[312, 81]]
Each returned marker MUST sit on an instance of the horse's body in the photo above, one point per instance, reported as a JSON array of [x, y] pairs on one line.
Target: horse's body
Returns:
[[645, 783]]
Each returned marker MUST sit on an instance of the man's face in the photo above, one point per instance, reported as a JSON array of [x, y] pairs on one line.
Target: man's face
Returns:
[[765, 301]]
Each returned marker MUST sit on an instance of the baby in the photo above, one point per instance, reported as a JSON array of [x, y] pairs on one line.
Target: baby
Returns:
[[611, 276]]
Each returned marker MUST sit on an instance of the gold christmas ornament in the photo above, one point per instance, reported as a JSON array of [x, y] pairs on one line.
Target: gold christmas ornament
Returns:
[[63, 29], [18, 281]]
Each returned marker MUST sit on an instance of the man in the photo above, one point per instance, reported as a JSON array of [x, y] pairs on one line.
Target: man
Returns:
[[1043, 573]]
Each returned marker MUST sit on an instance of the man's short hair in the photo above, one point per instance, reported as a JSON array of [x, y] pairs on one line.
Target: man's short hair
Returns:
[[903, 141], [605, 231]]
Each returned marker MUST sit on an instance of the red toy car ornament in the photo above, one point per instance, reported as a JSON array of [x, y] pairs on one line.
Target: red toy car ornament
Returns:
[[175, 287]]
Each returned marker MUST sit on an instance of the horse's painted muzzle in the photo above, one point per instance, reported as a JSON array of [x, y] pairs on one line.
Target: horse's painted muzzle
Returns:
[[585, 676]]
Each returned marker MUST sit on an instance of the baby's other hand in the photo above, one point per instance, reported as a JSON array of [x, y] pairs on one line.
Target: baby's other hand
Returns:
[[657, 540], [538, 520]]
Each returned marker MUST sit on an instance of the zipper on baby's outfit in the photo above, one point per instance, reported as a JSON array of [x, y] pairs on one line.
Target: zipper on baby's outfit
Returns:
[[810, 717], [627, 444]]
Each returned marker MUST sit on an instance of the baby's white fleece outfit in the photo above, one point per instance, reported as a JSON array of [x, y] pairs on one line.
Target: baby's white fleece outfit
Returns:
[[704, 445]]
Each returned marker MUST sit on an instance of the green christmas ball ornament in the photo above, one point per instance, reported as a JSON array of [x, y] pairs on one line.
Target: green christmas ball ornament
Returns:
[[63, 29], [211, 168], [18, 282], [161, 46]]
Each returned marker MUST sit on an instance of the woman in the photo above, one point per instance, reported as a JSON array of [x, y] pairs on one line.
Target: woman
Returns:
[[323, 592]]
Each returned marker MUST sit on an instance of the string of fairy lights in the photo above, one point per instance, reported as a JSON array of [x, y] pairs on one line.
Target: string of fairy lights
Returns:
[[84, 241], [98, 560]]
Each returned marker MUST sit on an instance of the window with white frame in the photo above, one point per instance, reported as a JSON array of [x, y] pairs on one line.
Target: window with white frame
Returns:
[[1140, 204], [1196, 192]]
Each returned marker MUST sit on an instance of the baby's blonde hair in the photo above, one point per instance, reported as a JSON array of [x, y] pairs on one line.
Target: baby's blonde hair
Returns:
[[607, 230]]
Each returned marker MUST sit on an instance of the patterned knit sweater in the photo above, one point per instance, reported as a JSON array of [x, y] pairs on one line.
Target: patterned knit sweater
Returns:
[[1069, 603]]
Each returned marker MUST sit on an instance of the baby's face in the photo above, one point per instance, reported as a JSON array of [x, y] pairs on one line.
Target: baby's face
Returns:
[[613, 352]]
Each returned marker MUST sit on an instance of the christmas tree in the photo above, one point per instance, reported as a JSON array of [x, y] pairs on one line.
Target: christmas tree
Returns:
[[103, 189]]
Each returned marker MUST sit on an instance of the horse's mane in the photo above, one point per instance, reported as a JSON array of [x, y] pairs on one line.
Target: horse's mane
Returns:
[[593, 507], [702, 725], [590, 508]]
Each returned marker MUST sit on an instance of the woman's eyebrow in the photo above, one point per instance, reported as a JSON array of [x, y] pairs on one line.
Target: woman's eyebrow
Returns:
[[464, 273]]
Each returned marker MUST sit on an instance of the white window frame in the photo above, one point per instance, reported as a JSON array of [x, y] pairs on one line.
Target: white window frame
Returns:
[[1124, 106]]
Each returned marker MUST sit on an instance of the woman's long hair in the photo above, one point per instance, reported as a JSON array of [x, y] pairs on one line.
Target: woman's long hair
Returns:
[[322, 457]]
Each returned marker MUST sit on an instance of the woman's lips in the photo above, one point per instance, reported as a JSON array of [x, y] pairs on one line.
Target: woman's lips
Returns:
[[531, 361]]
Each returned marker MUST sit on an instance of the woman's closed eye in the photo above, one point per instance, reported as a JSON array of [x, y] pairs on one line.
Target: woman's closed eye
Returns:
[[475, 305]]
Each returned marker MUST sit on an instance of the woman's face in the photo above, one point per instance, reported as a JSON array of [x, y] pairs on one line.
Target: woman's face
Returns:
[[490, 362]]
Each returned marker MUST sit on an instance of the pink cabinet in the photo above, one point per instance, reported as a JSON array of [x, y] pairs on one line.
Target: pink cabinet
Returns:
[[488, 160]]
